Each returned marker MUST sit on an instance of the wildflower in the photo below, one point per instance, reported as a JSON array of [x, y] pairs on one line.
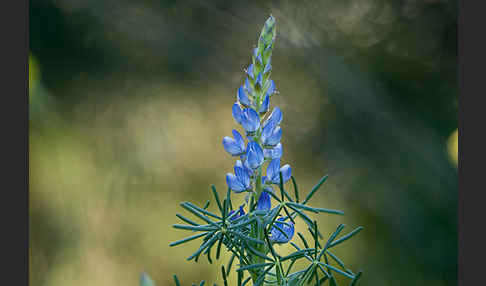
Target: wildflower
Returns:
[[243, 97], [240, 181], [264, 203], [270, 88], [254, 155], [273, 171], [244, 166], [271, 134], [250, 120], [275, 117], [277, 236], [237, 113], [241, 212], [235, 146], [273, 153], [265, 104]]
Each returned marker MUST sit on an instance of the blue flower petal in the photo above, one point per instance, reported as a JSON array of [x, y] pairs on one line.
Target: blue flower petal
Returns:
[[234, 183], [264, 203], [249, 71], [275, 118], [254, 155], [271, 88], [268, 153], [277, 151], [247, 86], [242, 97], [259, 80], [265, 104], [274, 138], [277, 236], [286, 172], [250, 120], [273, 153], [243, 177], [267, 130], [268, 67], [239, 140], [237, 113], [245, 167], [259, 59], [231, 146], [272, 171], [241, 212]]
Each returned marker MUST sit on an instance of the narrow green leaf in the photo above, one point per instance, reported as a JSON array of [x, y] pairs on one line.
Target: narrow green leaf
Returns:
[[176, 280], [230, 263], [346, 237], [205, 245], [228, 197], [186, 219], [202, 210], [244, 237], [188, 239], [224, 276], [296, 189], [216, 197], [303, 240], [274, 196], [336, 270], [197, 228], [331, 238], [356, 278], [253, 266], [206, 205], [314, 189], [196, 213], [246, 281], [218, 249]]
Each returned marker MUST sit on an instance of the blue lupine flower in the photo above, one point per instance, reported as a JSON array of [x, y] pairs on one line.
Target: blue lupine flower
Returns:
[[236, 146], [250, 120], [239, 182], [237, 113], [241, 212], [264, 203], [273, 171], [268, 67], [288, 228], [254, 155], [244, 166], [247, 86], [271, 134], [259, 80], [243, 97], [265, 104], [275, 117], [249, 71], [271, 88], [255, 52], [273, 153]]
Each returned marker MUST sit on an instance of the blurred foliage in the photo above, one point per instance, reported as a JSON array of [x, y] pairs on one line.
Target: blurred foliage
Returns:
[[133, 99], [452, 146]]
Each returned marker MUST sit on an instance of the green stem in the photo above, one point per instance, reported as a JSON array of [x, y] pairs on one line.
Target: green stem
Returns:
[[256, 232]]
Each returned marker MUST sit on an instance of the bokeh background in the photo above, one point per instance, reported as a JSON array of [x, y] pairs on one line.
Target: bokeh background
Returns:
[[129, 102]]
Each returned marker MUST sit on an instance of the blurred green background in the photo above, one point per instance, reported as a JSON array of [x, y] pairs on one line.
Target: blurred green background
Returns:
[[129, 102]]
